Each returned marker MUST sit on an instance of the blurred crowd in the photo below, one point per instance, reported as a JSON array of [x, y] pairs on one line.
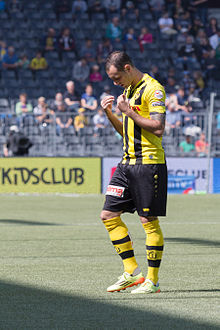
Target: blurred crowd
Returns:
[[188, 40]]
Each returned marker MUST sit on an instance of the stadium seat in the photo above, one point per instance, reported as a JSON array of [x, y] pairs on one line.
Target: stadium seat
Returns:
[[4, 105]]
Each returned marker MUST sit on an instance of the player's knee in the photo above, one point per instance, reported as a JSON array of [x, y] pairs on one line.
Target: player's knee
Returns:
[[106, 215], [147, 219]]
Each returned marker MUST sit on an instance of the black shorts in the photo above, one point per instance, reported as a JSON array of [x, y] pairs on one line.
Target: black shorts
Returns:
[[141, 188]]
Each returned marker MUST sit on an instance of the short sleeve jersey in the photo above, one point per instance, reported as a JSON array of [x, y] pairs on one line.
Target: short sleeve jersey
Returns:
[[141, 146]]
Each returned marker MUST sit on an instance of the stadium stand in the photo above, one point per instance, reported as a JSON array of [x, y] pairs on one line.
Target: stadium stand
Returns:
[[182, 58]]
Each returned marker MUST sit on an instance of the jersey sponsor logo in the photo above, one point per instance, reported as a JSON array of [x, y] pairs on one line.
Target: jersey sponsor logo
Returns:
[[135, 107], [115, 191], [158, 94], [157, 104]]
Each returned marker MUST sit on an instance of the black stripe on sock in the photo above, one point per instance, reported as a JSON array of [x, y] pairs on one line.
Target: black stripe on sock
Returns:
[[127, 254], [121, 241], [157, 248], [154, 263]]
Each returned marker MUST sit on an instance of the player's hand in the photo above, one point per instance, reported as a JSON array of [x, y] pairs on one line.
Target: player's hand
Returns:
[[123, 104], [107, 102]]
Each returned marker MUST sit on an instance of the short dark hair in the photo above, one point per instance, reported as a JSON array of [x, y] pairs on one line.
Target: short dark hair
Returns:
[[119, 59]]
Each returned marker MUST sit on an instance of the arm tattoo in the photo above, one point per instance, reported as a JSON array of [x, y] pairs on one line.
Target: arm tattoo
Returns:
[[158, 116]]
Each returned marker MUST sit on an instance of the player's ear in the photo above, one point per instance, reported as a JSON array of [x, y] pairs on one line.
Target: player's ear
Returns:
[[127, 68]]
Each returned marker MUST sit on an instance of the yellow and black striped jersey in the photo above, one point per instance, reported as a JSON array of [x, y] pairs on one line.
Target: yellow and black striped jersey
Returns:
[[141, 146]]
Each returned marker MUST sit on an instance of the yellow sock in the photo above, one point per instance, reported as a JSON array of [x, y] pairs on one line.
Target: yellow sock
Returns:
[[121, 240], [154, 246]]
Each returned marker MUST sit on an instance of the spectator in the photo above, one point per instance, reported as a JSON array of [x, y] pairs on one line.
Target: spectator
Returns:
[[129, 7], [60, 7], [181, 100], [112, 7], [114, 31], [79, 7], [193, 95], [100, 121], [130, 35], [17, 143], [80, 122], [81, 71], [183, 21], [187, 54], [199, 81], [23, 62], [95, 75], [106, 92], [42, 113], [212, 65], [178, 9], [196, 26], [215, 39], [71, 98], [23, 109], [173, 119], [181, 38], [200, 36], [186, 146], [170, 85], [49, 42], [41, 103], [189, 122], [38, 62], [104, 48], [166, 24], [88, 100], [58, 99], [10, 61], [66, 42], [201, 146], [144, 38], [212, 27], [203, 49], [88, 51], [96, 7], [63, 119]]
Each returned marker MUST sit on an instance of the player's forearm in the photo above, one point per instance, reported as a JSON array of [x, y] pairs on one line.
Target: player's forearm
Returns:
[[115, 122], [153, 126]]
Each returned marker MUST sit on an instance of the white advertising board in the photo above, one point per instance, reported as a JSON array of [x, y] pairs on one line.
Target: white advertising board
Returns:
[[176, 166]]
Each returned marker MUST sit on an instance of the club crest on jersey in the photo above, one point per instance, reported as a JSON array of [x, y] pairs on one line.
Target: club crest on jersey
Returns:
[[158, 94], [115, 191]]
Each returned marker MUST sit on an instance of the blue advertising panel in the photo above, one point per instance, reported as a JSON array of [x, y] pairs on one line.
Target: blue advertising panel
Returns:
[[216, 175], [184, 184]]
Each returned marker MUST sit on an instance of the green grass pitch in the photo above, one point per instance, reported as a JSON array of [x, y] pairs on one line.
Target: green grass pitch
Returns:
[[57, 261]]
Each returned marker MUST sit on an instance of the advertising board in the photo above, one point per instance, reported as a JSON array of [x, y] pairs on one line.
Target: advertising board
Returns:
[[50, 175], [196, 167]]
